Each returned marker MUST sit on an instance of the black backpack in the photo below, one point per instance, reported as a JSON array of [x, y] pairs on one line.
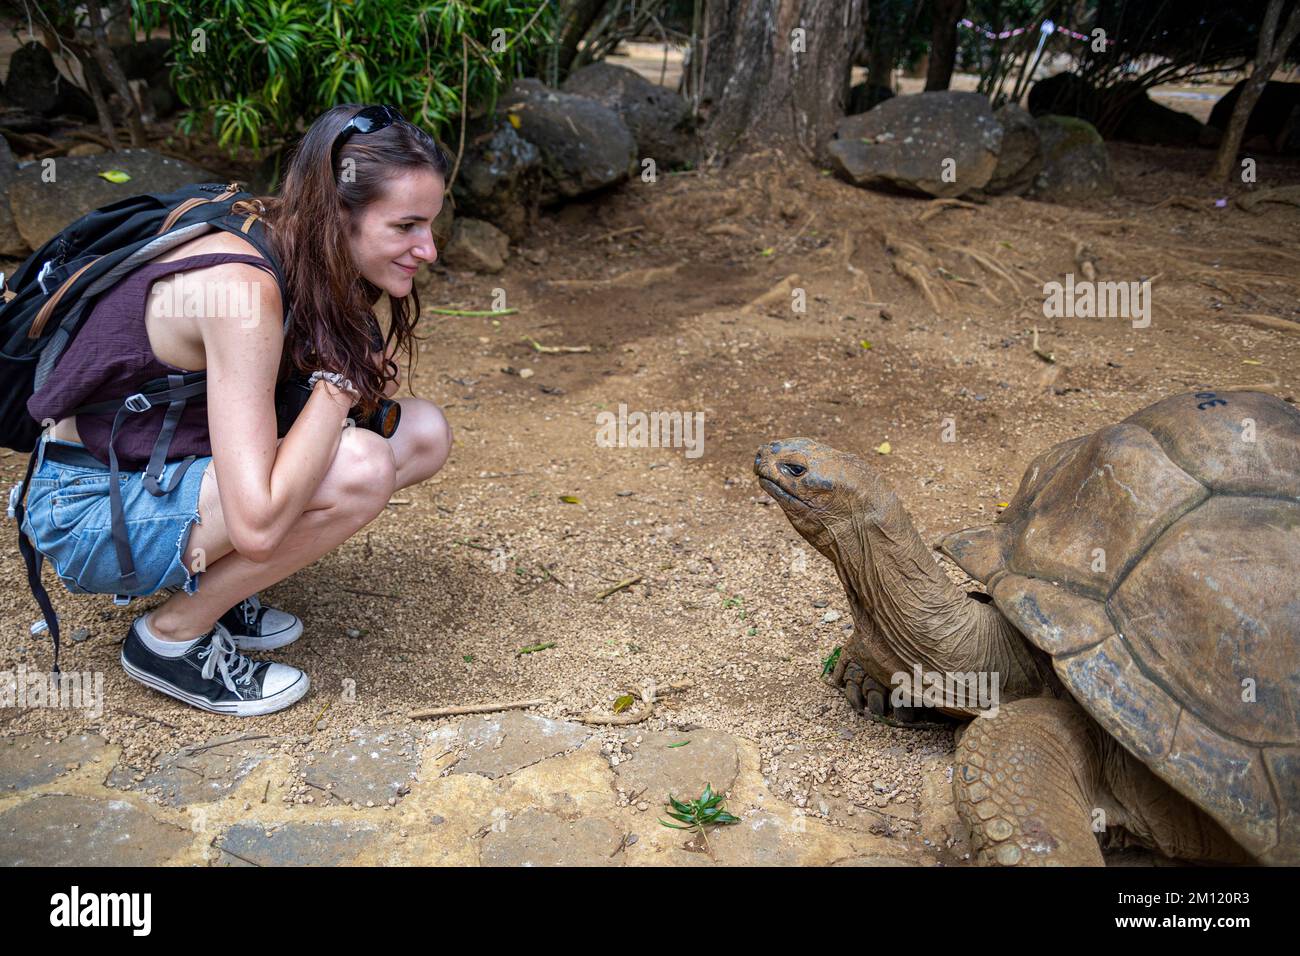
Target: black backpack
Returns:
[[47, 301]]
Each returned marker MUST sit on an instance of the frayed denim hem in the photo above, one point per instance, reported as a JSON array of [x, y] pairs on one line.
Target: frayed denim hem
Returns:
[[191, 584]]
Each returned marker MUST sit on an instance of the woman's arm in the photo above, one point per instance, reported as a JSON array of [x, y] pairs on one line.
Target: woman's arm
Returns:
[[263, 489]]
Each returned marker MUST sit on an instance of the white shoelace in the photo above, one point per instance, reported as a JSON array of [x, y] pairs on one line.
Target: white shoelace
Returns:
[[221, 654], [249, 608]]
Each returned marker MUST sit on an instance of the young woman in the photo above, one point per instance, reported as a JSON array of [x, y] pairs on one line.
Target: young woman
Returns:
[[353, 221]]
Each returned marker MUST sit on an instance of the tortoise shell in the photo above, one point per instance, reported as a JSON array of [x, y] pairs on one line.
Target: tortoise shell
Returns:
[[1158, 562]]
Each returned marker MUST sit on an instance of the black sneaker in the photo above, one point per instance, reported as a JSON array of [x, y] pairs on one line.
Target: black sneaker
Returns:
[[255, 627], [214, 676]]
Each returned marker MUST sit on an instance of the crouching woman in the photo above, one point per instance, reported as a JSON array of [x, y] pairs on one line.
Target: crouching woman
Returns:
[[353, 221]]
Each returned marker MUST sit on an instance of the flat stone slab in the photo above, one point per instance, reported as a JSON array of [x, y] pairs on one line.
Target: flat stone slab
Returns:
[[198, 774], [375, 765], [30, 760], [538, 838], [66, 830], [656, 769], [295, 844], [511, 741]]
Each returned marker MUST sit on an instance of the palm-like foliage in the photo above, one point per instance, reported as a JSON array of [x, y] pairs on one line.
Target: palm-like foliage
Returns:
[[254, 71]]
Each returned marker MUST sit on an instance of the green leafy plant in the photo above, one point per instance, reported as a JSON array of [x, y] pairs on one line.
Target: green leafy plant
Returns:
[[697, 814], [828, 665], [251, 70]]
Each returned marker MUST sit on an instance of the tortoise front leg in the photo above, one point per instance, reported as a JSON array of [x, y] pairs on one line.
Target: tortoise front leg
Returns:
[[1026, 783]]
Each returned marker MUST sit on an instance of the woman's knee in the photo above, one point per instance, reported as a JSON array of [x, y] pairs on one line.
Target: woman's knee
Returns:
[[431, 434], [363, 474], [422, 442]]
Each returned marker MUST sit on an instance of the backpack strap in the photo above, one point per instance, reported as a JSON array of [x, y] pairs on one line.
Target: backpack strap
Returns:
[[33, 559], [180, 388]]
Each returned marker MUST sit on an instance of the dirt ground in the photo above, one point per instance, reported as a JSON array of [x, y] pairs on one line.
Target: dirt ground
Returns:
[[681, 289]]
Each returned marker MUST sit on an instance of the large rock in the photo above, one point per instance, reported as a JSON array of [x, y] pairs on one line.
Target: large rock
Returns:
[[584, 145], [1276, 105], [863, 96], [500, 179], [34, 84], [11, 240], [1076, 166], [1021, 156], [909, 141], [1143, 120], [375, 765], [41, 209], [1129, 113], [476, 246], [67, 830], [501, 745], [29, 760], [333, 843], [659, 119], [1064, 94]]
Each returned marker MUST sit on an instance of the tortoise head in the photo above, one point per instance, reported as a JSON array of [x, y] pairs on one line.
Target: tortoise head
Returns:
[[820, 489]]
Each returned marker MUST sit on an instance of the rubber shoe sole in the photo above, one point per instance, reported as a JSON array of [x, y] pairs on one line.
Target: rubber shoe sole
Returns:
[[236, 708]]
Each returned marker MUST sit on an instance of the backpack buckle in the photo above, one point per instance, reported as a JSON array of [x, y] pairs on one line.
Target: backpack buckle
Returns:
[[15, 493], [138, 403], [122, 600], [46, 269]]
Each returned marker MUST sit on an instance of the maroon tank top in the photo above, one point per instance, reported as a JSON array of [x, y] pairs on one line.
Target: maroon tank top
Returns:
[[111, 358]]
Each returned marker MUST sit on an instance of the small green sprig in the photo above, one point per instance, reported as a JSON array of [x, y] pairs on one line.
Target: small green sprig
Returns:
[[828, 665], [698, 814]]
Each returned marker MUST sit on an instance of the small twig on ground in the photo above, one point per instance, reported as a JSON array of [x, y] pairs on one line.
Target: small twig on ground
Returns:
[[478, 708], [1045, 356], [1184, 202], [556, 349], [474, 313], [619, 232], [625, 583], [378, 594], [939, 205], [1085, 260], [203, 748], [476, 547], [159, 720]]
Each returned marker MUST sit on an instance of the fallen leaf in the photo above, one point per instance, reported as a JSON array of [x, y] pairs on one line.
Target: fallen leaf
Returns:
[[115, 176], [865, 344], [623, 703], [884, 448], [570, 500]]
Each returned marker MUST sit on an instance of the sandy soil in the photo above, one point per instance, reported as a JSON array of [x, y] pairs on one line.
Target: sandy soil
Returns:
[[659, 280]]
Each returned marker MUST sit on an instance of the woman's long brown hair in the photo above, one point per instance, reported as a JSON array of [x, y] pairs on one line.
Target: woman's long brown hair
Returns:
[[331, 302]]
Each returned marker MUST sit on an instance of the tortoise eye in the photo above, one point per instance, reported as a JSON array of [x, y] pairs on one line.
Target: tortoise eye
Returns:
[[794, 471]]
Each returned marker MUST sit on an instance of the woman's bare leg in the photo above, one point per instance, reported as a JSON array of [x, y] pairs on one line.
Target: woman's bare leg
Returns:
[[355, 490]]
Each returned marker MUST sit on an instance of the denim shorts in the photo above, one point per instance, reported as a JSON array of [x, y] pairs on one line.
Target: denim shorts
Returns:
[[68, 519]]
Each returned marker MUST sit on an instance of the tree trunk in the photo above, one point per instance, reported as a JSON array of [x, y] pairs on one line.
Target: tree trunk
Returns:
[[1272, 48], [116, 78], [765, 84], [579, 15], [943, 43]]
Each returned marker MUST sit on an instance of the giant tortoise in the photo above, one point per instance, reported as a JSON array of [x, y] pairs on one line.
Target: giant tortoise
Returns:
[[1143, 630]]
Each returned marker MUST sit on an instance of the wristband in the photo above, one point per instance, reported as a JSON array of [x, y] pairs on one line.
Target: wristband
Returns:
[[335, 379]]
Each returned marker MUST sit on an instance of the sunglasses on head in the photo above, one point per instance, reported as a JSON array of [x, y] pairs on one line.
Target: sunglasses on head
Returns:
[[368, 120]]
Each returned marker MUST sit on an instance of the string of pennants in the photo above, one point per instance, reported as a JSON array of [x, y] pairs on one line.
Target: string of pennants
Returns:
[[1047, 27]]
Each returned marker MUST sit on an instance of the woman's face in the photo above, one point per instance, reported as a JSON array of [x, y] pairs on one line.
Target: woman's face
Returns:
[[394, 235]]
